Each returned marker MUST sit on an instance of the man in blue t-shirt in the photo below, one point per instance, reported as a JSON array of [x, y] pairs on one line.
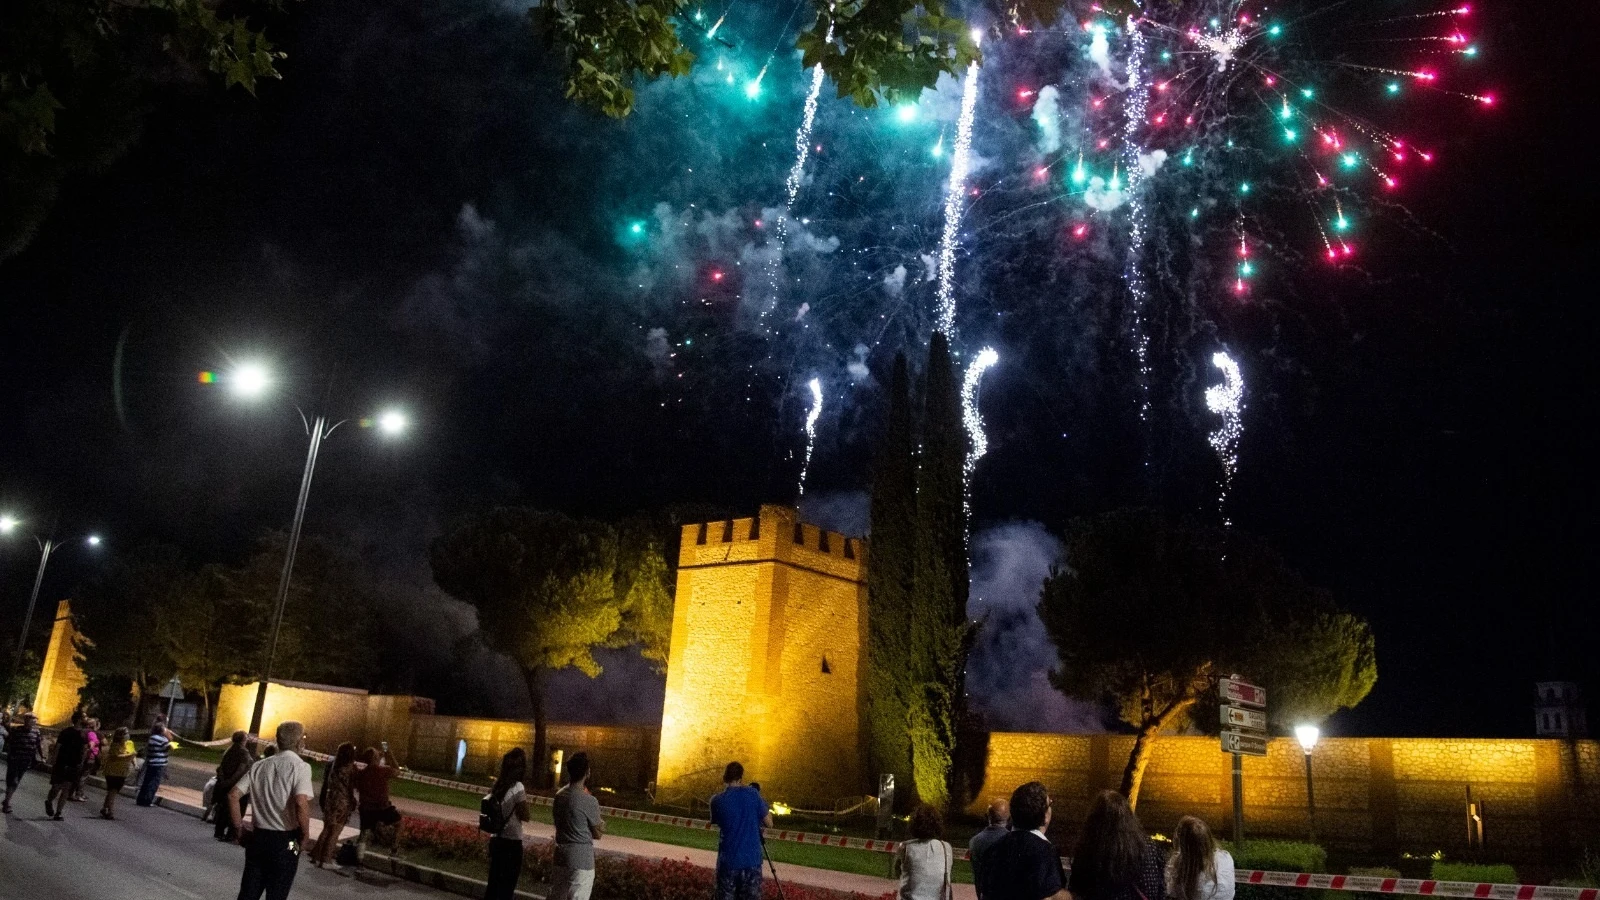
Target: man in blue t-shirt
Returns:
[[740, 814]]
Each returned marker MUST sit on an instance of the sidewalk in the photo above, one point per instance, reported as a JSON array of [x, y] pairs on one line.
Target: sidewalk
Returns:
[[822, 878]]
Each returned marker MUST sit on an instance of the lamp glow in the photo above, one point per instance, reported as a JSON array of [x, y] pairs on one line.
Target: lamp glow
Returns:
[[249, 380], [392, 422], [92, 540], [9, 524], [1307, 736]]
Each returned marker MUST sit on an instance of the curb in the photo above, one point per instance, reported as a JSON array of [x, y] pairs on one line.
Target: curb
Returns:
[[179, 806], [448, 882]]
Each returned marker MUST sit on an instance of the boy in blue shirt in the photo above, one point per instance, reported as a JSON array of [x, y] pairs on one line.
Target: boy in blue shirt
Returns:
[[740, 814]]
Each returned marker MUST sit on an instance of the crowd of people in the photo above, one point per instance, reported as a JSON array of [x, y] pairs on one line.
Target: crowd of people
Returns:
[[1012, 857]]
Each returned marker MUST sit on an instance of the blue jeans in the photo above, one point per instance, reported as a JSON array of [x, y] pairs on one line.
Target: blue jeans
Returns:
[[153, 776], [739, 884], [270, 862]]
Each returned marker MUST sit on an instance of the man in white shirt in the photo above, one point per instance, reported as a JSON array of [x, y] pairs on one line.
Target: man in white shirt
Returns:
[[280, 798]]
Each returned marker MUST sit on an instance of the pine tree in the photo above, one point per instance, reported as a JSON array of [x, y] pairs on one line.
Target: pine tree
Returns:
[[889, 582], [939, 632]]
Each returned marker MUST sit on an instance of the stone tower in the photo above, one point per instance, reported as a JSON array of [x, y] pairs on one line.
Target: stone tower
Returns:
[[62, 677], [768, 623], [1558, 710]]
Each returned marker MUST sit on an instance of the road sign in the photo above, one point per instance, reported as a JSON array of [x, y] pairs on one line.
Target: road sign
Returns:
[[1241, 719], [1244, 744], [1242, 693], [173, 690]]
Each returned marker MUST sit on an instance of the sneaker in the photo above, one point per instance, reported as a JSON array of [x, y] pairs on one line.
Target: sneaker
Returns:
[[49, 808], [57, 817]]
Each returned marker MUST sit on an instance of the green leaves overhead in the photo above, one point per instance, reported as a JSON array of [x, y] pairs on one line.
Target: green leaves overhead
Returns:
[[885, 50]]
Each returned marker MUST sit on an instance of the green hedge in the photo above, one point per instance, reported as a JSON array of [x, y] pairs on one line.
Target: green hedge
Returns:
[[1278, 856], [1496, 873], [1373, 872]]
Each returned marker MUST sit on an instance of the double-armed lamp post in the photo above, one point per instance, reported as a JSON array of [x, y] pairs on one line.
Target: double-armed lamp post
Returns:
[[251, 381], [47, 546]]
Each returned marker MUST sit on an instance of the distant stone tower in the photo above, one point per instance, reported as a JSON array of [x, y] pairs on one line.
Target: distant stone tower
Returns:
[[62, 677], [1558, 710], [768, 624]]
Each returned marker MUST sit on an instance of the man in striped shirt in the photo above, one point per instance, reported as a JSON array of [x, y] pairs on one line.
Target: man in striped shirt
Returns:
[[22, 750], [155, 764]]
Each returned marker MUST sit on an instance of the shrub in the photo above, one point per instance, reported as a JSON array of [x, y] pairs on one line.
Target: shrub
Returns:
[[1278, 856], [1496, 873], [1373, 872]]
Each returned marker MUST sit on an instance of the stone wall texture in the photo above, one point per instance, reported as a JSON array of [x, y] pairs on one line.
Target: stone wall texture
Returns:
[[621, 756], [769, 618], [62, 676], [1540, 798]]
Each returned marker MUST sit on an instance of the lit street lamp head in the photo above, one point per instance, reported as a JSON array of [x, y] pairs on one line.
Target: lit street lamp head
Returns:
[[392, 422], [1307, 736], [8, 524], [249, 380], [92, 540]]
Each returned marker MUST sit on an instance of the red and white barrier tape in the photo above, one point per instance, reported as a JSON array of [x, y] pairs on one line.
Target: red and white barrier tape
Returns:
[[1370, 884]]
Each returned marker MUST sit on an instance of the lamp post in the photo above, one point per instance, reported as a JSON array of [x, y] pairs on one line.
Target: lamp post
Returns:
[[47, 546], [1307, 736], [251, 380]]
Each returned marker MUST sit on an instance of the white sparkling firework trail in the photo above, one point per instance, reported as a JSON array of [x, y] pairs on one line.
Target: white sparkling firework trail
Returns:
[[1136, 111], [1227, 401], [802, 150], [970, 415], [954, 197], [811, 429]]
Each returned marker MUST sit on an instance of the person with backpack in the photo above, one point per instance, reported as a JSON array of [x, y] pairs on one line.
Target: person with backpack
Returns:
[[501, 816]]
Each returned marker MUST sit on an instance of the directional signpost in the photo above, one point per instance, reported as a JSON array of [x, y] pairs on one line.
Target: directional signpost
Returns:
[[1244, 733]]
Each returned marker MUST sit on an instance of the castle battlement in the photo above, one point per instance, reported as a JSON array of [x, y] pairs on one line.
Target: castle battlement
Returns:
[[776, 534], [768, 620]]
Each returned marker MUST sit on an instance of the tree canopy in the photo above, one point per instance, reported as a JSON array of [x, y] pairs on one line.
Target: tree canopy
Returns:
[[76, 78], [1148, 612], [550, 590], [872, 49]]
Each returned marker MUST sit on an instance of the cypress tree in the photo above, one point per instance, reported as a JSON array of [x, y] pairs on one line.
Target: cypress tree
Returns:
[[889, 579], [939, 632]]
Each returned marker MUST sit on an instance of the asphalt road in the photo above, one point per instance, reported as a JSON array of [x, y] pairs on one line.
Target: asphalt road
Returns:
[[146, 854]]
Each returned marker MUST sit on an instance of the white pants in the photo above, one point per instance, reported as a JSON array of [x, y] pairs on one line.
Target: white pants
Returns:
[[571, 884]]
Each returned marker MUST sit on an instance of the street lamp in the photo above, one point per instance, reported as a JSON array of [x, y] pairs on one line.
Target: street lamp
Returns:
[[251, 380], [1307, 736], [47, 546]]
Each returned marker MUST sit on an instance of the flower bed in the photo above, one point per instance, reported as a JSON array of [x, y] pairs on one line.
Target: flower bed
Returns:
[[616, 877]]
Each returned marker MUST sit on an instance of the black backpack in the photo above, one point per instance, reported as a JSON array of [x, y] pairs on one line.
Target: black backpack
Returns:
[[491, 815]]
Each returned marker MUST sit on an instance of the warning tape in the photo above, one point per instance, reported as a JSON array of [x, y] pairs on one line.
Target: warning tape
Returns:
[[1366, 884]]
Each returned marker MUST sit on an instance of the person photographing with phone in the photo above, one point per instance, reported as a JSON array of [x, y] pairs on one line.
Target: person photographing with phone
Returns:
[[739, 813]]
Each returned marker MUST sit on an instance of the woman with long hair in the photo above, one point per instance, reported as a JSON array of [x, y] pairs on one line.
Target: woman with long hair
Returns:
[[338, 800], [119, 755], [922, 864], [1198, 869], [1114, 859], [505, 846]]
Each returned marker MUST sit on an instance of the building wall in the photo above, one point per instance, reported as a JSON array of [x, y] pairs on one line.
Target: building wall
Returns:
[[769, 618], [621, 756], [1541, 798], [331, 715], [62, 676]]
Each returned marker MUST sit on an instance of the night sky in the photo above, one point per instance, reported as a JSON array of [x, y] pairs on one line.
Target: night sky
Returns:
[[415, 216]]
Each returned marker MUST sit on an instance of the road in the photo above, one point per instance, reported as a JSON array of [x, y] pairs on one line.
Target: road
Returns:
[[146, 854]]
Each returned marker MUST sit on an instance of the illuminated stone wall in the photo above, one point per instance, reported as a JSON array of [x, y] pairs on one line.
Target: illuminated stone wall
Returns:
[[769, 618], [62, 676], [1541, 798], [621, 756]]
